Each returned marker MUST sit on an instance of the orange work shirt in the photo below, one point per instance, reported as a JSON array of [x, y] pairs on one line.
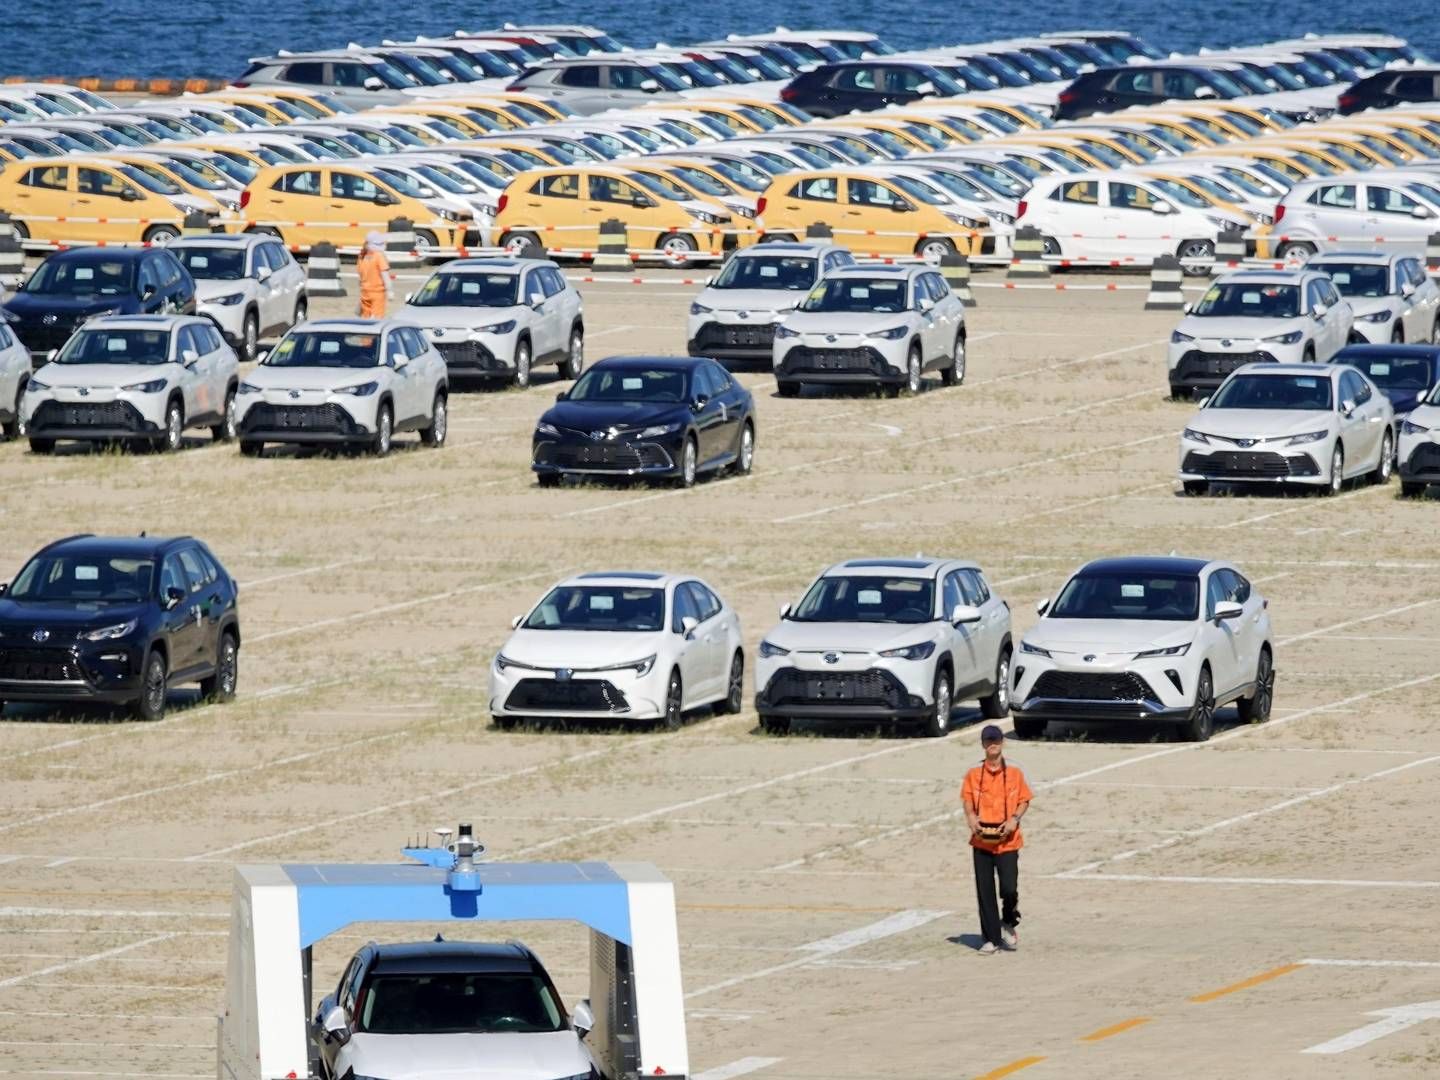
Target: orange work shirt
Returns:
[[372, 266], [995, 796]]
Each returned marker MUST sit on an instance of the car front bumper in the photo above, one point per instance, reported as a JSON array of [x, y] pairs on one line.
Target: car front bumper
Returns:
[[63, 413], [1420, 458], [810, 358], [723, 335], [577, 453], [104, 672], [324, 422], [802, 687], [615, 694], [1264, 461], [469, 353], [1204, 365], [1113, 688]]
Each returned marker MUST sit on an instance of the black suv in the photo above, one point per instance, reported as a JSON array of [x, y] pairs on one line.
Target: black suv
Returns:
[[836, 89], [71, 286], [1391, 87], [1110, 89], [119, 620]]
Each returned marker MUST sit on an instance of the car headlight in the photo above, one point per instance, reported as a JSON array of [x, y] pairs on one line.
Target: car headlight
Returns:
[[707, 218], [229, 300], [961, 219], [1308, 437], [1004, 219], [1292, 338], [110, 633], [1033, 650], [921, 651], [785, 331], [1177, 337], [545, 428], [1223, 224], [656, 430], [247, 388], [362, 390], [444, 213], [502, 662], [1265, 219], [230, 204], [1383, 315], [769, 649], [495, 328], [700, 309], [895, 333], [34, 385], [1173, 650], [1407, 427], [1195, 436], [154, 386], [640, 667], [487, 209]]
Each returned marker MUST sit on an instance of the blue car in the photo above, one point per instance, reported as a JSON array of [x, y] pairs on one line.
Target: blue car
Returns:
[[1404, 373]]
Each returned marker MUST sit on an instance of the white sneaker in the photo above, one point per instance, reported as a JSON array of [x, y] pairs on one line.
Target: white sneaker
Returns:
[[989, 949], [1009, 937]]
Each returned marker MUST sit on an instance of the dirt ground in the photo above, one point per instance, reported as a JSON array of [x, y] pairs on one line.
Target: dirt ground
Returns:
[[1196, 910]]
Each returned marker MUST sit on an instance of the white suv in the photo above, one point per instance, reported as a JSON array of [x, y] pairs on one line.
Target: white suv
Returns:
[[497, 318], [1147, 640], [143, 379], [877, 325], [248, 284], [887, 639], [14, 374], [345, 381]]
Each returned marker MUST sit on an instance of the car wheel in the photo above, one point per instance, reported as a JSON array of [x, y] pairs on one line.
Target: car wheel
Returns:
[[778, 238], [574, 361], [174, 433], [225, 431], [384, 431], [250, 337], [520, 377], [938, 725], [689, 462], [427, 245], [997, 705], [160, 235], [1256, 708], [434, 435], [674, 715], [1308, 356], [735, 688], [787, 389], [42, 446], [1179, 393], [1029, 728], [251, 448], [745, 452], [221, 685], [1435, 333], [912, 371], [151, 704], [934, 248], [1337, 471], [1381, 473], [1397, 336], [775, 725], [1049, 247], [522, 245], [1201, 722], [547, 480], [1197, 487], [1294, 250], [1196, 257], [1411, 489], [677, 249], [954, 375], [302, 311]]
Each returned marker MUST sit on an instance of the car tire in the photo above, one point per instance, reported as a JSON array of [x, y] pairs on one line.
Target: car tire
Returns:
[[954, 375], [937, 725], [150, 705], [935, 248], [996, 705], [16, 428], [174, 434], [1256, 708], [1308, 356], [914, 366], [1049, 247], [251, 448], [734, 701], [1196, 257], [1380, 475], [302, 311], [1027, 727], [524, 360], [787, 389], [1337, 471], [1294, 247], [1397, 336], [384, 431], [226, 430], [775, 725], [523, 245], [778, 238], [160, 235], [250, 336], [574, 361], [434, 435], [1196, 487], [221, 685], [689, 463], [677, 249], [42, 446], [427, 245], [1199, 725], [547, 480], [1411, 489], [674, 699], [745, 450]]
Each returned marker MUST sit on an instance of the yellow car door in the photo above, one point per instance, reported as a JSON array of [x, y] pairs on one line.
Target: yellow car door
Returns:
[[118, 201], [38, 190]]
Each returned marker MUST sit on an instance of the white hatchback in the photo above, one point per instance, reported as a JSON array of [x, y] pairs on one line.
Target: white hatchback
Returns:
[[14, 374], [627, 645]]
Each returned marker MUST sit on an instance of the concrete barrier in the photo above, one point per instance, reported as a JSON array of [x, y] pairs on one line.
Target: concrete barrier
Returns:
[[818, 230], [1029, 261], [956, 270], [612, 254], [12, 255], [322, 271], [1165, 294], [1432, 254], [400, 242], [1229, 251], [196, 223]]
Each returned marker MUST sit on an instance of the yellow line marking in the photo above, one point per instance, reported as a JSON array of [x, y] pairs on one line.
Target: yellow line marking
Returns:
[[1013, 1067], [1274, 973], [1115, 1029]]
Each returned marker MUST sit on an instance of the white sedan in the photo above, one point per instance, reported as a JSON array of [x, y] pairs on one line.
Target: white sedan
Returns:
[[627, 645]]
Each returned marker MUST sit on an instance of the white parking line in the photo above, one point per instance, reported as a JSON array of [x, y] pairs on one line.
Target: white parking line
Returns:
[[1374, 963], [80, 961], [1358, 621], [1031, 372], [1308, 504], [743, 1067], [1192, 879], [255, 583]]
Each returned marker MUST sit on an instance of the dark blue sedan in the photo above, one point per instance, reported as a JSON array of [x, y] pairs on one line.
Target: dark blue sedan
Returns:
[[1404, 373]]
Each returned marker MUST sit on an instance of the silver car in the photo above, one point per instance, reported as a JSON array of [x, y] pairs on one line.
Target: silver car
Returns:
[[1393, 298], [1394, 211], [593, 84], [249, 285], [355, 78]]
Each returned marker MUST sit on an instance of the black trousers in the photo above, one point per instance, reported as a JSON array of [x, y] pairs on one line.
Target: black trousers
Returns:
[[988, 866]]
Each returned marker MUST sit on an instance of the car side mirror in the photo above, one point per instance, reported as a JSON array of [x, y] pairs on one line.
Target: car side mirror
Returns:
[[926, 87], [374, 83], [384, 198], [398, 360], [688, 625], [337, 1024], [1422, 212], [262, 273], [1188, 309], [516, 621], [1042, 606], [1347, 406], [261, 356], [173, 596], [1407, 289], [1162, 208], [1203, 402], [1319, 311], [1204, 92], [964, 613], [50, 356], [901, 207], [700, 402], [3, 587], [925, 304], [129, 195], [536, 301], [190, 356], [784, 611], [559, 395], [1228, 609], [650, 86], [583, 1018], [640, 202], [147, 291], [710, 281]]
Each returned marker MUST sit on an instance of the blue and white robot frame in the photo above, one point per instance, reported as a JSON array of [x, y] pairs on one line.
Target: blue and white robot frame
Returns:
[[278, 911]]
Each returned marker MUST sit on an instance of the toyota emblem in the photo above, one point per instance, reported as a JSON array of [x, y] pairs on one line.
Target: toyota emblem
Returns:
[[439, 331], [563, 674], [743, 314], [40, 635], [83, 391], [1226, 342], [1090, 658], [295, 393], [830, 337], [831, 658], [51, 319], [1245, 442]]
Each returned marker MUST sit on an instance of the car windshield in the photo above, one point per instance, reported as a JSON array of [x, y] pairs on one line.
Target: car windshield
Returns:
[[600, 607], [1117, 595], [659, 185], [151, 178], [1180, 193], [1358, 279], [1250, 300], [857, 294], [326, 348], [198, 174], [459, 1002], [745, 176], [700, 181], [1405, 373], [868, 598], [918, 189], [468, 290], [85, 579], [1298, 393], [791, 272], [116, 347], [73, 278], [659, 384], [212, 263]]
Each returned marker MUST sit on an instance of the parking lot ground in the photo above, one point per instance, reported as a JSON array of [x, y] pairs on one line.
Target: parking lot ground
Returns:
[[1208, 910]]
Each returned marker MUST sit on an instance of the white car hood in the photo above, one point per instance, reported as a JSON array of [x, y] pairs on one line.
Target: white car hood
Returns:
[[500, 1056], [1368, 305], [581, 648], [1107, 635], [1246, 329], [267, 377], [1260, 423], [208, 289], [459, 89], [428, 316], [1426, 416], [845, 322], [104, 376], [795, 635], [696, 206], [751, 299]]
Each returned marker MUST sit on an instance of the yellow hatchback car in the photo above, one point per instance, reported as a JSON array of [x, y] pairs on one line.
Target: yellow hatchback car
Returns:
[[884, 216], [563, 208]]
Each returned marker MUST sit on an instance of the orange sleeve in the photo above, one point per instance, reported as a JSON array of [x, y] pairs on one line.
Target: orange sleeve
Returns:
[[967, 789], [1022, 792]]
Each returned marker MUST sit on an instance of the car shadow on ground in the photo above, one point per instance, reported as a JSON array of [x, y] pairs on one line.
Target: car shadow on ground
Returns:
[[1123, 732], [88, 713], [123, 447], [849, 728], [852, 392]]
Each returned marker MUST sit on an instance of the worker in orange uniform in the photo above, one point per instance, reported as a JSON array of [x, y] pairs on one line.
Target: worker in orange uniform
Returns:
[[995, 797], [375, 284]]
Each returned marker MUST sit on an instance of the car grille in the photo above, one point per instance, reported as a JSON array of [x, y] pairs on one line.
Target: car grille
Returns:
[[792, 687], [70, 414], [38, 665], [1093, 686], [42, 337], [803, 360], [719, 336], [468, 354], [620, 457], [1196, 364], [1248, 464], [1425, 458], [549, 695], [328, 418]]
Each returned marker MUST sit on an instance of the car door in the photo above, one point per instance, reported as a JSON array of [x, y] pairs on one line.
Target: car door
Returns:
[[948, 312], [176, 284], [726, 393], [292, 275], [1356, 430], [1339, 316], [105, 194], [994, 621], [1321, 322], [415, 375], [966, 648], [713, 636], [270, 297], [1370, 404], [205, 591], [710, 413], [195, 377], [44, 192], [565, 300], [1249, 628], [690, 648], [1079, 220], [1393, 218], [927, 316], [543, 318], [223, 364], [1225, 653], [1424, 301], [182, 630]]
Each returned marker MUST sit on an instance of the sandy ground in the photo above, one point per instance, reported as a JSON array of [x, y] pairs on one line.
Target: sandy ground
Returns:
[[1177, 897]]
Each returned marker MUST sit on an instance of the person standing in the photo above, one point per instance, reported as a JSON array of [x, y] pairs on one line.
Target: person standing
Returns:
[[995, 798], [374, 270]]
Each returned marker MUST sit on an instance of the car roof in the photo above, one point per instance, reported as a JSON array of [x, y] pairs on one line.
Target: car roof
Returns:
[[1145, 564], [1266, 277], [919, 566], [655, 579], [423, 958], [1398, 351], [1383, 258], [786, 248], [235, 240], [81, 254], [880, 270], [685, 363], [142, 322], [1291, 369], [123, 546], [494, 266], [359, 326]]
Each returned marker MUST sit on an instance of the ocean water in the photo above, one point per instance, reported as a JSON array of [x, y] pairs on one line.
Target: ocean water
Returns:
[[142, 38]]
